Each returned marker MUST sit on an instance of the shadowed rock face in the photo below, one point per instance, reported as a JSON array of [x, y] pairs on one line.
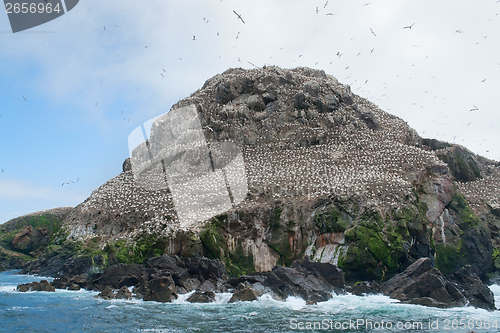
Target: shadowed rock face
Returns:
[[329, 175], [423, 284]]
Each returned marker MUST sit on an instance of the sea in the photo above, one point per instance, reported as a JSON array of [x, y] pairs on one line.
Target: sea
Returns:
[[82, 311]]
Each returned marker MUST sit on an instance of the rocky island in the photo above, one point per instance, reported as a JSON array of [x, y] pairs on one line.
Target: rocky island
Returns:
[[340, 197]]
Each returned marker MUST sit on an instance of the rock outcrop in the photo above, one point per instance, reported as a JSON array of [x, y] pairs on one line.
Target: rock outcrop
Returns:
[[421, 283], [202, 297], [329, 176], [43, 285]]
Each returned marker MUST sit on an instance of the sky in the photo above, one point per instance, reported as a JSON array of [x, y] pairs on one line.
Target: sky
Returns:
[[73, 89]]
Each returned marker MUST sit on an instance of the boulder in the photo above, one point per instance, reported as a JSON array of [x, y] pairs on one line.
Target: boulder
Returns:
[[60, 283], [74, 286], [364, 288], [244, 295], [36, 286], [202, 297], [476, 292], [159, 288], [123, 293], [117, 276], [290, 281], [107, 293], [422, 284]]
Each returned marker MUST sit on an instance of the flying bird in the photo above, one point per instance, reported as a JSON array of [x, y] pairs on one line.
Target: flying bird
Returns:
[[373, 32], [330, 14], [317, 10], [475, 108], [326, 4], [409, 26], [194, 37], [459, 31], [24, 98], [239, 16]]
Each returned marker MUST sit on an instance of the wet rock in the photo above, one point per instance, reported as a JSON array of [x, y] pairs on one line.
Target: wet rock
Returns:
[[107, 293], [422, 283], [202, 297], [476, 292], [244, 295], [299, 281], [74, 286], [124, 293], [80, 280], [242, 285], [160, 288], [117, 276], [60, 283], [43, 285], [330, 273], [364, 288]]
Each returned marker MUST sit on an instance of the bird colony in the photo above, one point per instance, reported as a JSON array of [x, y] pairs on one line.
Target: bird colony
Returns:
[[296, 135]]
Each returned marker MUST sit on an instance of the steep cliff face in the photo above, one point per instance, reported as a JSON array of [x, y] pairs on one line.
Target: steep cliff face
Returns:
[[329, 175]]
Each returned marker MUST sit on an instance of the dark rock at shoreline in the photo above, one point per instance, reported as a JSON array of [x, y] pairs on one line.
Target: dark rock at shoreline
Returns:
[[313, 282], [476, 292], [244, 295], [159, 288], [364, 288], [117, 276], [423, 284], [246, 280], [124, 293], [36, 286], [74, 286], [202, 297], [107, 293], [60, 283], [58, 266]]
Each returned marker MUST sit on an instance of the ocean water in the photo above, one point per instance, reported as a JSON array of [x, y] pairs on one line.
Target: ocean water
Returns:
[[80, 311]]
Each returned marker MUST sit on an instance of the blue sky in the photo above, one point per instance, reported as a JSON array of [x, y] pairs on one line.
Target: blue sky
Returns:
[[93, 75]]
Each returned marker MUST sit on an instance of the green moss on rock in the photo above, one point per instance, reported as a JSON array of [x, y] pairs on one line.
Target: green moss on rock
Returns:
[[448, 258], [332, 220]]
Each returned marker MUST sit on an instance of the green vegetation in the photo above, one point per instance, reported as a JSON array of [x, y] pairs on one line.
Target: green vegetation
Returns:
[[459, 204], [40, 231], [448, 258], [462, 165], [213, 239], [333, 220]]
